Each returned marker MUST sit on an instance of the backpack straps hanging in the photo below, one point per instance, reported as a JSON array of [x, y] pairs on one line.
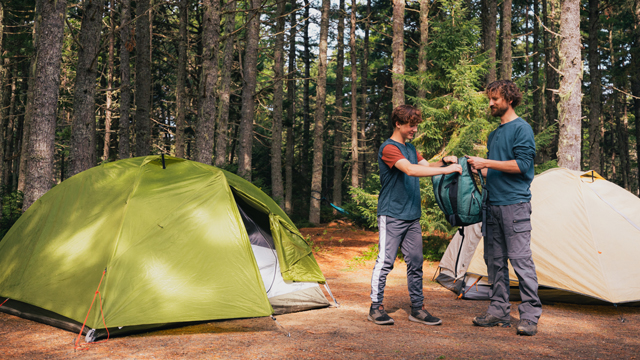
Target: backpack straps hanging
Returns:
[[485, 199]]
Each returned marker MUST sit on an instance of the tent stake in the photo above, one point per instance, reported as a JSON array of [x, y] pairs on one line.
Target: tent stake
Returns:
[[277, 323], [326, 286], [622, 319]]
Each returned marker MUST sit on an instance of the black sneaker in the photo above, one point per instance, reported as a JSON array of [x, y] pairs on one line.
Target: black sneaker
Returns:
[[526, 327], [422, 316], [379, 316], [489, 320]]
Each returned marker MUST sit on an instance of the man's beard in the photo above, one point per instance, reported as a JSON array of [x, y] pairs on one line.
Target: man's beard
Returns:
[[498, 112]]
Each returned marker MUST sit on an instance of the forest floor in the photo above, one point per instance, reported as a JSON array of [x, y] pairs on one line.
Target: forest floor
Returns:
[[565, 330]]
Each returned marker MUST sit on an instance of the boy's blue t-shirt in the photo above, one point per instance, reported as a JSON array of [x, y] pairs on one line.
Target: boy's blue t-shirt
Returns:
[[400, 193], [511, 141]]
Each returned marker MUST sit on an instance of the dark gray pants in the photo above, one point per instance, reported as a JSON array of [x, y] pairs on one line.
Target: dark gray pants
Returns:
[[509, 237], [407, 235]]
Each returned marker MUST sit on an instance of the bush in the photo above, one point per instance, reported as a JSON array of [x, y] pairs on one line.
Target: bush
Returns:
[[11, 211], [434, 246]]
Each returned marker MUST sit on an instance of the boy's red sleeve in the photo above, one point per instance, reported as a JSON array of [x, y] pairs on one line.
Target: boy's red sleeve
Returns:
[[391, 154], [420, 158]]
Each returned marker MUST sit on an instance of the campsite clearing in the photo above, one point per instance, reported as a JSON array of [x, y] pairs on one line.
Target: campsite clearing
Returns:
[[565, 330]]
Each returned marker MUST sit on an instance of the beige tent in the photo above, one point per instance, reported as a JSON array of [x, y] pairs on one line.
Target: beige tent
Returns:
[[585, 240]]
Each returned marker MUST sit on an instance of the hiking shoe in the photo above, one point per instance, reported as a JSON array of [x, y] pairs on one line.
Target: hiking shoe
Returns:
[[379, 316], [422, 316], [489, 320], [526, 327]]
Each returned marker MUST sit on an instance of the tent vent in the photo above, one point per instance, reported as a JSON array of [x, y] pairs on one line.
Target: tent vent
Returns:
[[163, 165]]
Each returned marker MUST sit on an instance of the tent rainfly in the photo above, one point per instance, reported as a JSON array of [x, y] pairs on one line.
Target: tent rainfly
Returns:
[[163, 242], [585, 241]]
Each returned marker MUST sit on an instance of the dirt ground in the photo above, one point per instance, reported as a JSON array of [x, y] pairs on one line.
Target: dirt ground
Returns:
[[565, 330]]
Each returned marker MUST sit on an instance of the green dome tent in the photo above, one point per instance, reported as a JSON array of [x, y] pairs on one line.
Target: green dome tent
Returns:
[[185, 243]]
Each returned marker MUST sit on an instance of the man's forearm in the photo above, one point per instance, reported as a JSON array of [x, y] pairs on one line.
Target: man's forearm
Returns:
[[509, 166]]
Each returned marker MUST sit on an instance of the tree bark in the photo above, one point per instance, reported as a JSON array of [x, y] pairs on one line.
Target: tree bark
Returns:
[[225, 86], [126, 45], [490, 38], [318, 131], [82, 153], [551, 16], [277, 188], [208, 81], [143, 79], [595, 88], [5, 94], [570, 107], [306, 109], [291, 113], [363, 81], [338, 118], [43, 125], [248, 89], [181, 94], [354, 103], [535, 76], [28, 112], [505, 38], [424, 39], [110, 73], [398, 53], [635, 84]]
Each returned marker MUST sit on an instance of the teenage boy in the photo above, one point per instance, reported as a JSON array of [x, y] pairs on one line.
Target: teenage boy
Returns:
[[399, 213], [509, 172]]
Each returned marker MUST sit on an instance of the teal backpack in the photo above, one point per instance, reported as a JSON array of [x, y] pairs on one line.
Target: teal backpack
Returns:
[[458, 196]]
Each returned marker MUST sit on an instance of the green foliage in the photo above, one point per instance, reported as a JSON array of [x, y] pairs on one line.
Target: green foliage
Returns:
[[433, 247], [539, 169], [545, 137], [454, 110], [11, 211], [364, 207]]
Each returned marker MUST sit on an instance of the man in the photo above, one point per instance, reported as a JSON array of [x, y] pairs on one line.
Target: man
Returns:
[[509, 172], [399, 213]]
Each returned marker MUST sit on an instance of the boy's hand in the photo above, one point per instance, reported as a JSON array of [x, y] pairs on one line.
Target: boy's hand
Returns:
[[453, 168], [450, 159]]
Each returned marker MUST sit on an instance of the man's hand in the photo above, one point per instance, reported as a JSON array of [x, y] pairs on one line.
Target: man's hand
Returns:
[[477, 163]]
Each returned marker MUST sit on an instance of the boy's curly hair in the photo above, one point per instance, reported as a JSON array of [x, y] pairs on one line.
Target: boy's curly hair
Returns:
[[405, 114], [507, 89]]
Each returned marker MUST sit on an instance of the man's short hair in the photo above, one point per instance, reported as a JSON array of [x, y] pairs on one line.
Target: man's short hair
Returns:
[[405, 114], [507, 89]]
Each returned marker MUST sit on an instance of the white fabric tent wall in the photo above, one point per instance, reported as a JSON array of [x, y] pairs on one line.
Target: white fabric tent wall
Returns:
[[585, 237]]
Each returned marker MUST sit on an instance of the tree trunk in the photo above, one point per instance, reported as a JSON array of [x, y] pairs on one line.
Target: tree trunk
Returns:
[[550, 14], [43, 125], [291, 113], [490, 38], [82, 153], [277, 187], [248, 89], [398, 53], [208, 81], [595, 88], [354, 103], [363, 80], [635, 86], [570, 107], [126, 45], [505, 38], [338, 118], [225, 86], [143, 79], [181, 93], [306, 110], [424, 39], [110, 72], [318, 131], [28, 115], [535, 76], [5, 94]]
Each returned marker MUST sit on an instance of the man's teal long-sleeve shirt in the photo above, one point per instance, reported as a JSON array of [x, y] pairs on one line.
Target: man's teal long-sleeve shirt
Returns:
[[511, 141]]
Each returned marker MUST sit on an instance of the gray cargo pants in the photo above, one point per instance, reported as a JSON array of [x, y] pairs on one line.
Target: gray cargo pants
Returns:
[[509, 237], [407, 235]]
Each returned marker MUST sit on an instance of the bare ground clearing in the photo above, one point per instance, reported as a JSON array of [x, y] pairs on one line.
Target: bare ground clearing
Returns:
[[565, 330]]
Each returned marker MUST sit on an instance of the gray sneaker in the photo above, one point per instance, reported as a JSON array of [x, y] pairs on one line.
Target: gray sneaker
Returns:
[[526, 327], [379, 316], [489, 320], [422, 316]]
